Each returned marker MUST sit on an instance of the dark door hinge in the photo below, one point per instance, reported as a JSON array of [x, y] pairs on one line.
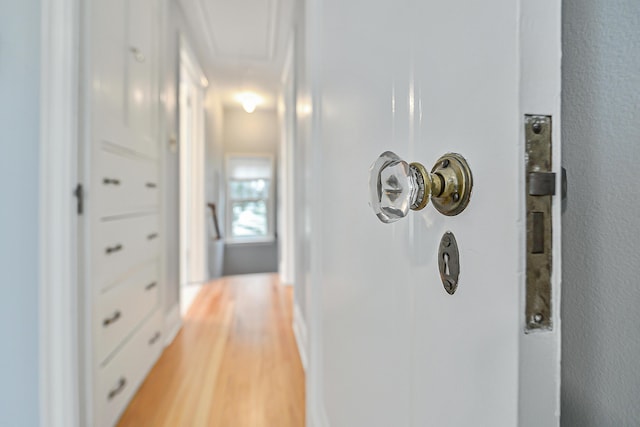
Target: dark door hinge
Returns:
[[79, 194]]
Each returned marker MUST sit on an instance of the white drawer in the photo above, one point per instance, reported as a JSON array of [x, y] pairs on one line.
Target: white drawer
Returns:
[[120, 309], [125, 184], [121, 245], [119, 379]]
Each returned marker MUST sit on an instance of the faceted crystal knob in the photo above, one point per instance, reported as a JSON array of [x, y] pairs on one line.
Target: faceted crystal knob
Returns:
[[396, 186]]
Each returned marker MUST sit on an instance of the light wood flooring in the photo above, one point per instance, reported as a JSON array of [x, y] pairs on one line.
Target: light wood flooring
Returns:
[[234, 363]]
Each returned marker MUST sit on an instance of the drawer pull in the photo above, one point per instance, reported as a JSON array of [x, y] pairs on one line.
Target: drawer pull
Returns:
[[155, 338], [151, 286], [116, 391], [152, 236], [111, 181], [151, 185], [109, 320], [112, 249]]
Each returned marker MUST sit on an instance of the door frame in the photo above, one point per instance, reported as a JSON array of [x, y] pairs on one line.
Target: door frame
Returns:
[[191, 75], [285, 203], [540, 61], [59, 340], [310, 266]]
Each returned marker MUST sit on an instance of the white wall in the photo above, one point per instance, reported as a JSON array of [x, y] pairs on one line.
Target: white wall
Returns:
[[601, 227], [214, 185], [214, 121], [19, 119], [251, 133]]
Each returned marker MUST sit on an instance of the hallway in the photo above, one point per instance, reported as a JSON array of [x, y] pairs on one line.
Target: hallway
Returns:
[[234, 363]]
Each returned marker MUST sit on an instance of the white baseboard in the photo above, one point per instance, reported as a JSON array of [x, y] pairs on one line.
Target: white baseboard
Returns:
[[317, 417], [300, 332], [188, 294], [172, 324], [285, 278]]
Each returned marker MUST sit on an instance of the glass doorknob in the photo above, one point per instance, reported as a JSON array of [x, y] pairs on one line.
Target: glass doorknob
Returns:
[[396, 186]]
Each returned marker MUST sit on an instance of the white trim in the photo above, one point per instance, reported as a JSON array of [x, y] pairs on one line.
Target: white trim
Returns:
[[313, 162], [300, 332], [286, 209], [58, 294], [201, 15], [189, 60], [287, 67], [273, 26], [172, 324], [251, 241], [192, 196], [540, 46], [317, 418], [170, 329], [188, 294]]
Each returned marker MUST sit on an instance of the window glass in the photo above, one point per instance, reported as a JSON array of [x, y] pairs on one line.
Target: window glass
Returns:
[[249, 219], [249, 205], [249, 189]]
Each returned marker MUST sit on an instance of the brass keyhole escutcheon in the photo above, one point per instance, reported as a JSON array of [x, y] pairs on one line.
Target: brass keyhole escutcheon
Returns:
[[449, 262]]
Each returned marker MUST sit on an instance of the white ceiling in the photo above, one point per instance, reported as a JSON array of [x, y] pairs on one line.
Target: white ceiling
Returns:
[[242, 44]]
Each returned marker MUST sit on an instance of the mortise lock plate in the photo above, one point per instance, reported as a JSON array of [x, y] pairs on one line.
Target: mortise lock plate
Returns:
[[540, 188]]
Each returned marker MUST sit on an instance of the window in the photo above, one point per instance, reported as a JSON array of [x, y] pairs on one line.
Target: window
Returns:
[[250, 201]]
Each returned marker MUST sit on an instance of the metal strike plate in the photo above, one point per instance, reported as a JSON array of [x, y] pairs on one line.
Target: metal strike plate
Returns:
[[449, 262], [540, 187]]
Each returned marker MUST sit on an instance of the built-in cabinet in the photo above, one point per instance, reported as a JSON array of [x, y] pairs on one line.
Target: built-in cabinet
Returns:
[[122, 229]]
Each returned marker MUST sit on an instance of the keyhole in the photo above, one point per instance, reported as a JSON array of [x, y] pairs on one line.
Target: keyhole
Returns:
[[445, 258]]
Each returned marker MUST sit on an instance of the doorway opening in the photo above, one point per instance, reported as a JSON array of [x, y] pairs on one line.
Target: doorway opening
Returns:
[[166, 205], [193, 225]]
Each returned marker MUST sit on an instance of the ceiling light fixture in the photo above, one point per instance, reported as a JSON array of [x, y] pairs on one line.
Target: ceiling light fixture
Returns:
[[249, 101]]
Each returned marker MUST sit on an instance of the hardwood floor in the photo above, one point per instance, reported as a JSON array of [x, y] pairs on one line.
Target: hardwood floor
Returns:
[[234, 363]]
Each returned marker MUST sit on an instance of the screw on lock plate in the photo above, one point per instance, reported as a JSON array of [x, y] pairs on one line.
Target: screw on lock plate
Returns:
[[540, 188], [449, 262]]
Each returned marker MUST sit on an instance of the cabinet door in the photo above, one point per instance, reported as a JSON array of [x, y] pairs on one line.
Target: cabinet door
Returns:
[[141, 94], [109, 58]]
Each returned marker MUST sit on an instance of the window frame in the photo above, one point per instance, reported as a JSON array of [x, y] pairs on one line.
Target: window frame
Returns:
[[269, 201]]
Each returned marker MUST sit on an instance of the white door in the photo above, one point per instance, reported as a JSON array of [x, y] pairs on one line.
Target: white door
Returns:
[[424, 78]]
